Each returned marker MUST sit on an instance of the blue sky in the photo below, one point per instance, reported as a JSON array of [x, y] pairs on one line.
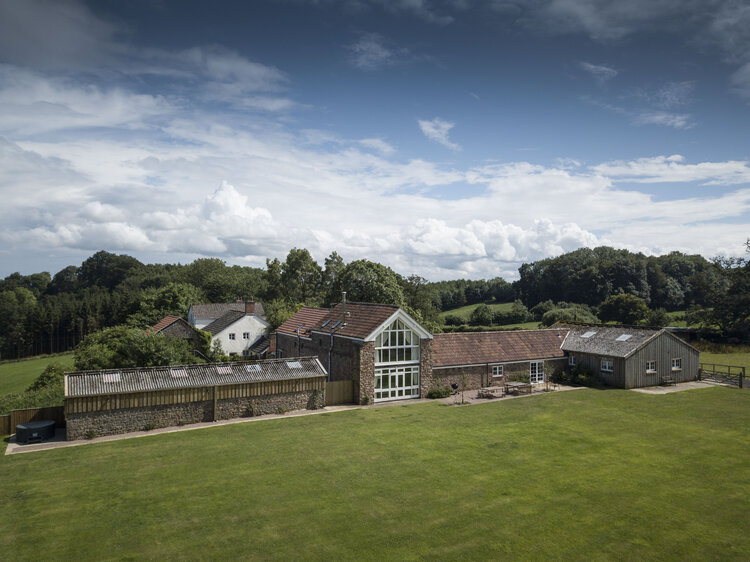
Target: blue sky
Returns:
[[444, 138]]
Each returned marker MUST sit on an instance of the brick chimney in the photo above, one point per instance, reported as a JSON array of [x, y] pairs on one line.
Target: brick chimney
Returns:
[[250, 306]]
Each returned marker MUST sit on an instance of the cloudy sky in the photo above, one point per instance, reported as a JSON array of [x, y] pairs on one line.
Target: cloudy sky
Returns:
[[448, 138]]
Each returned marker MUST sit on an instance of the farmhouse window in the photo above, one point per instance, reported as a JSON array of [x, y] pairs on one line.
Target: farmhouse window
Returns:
[[536, 371], [607, 366], [572, 360], [397, 344], [677, 364], [231, 336], [396, 383], [651, 366], [498, 370], [245, 335]]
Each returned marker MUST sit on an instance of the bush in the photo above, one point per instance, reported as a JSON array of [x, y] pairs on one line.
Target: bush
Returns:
[[481, 316], [572, 314], [439, 392], [453, 320]]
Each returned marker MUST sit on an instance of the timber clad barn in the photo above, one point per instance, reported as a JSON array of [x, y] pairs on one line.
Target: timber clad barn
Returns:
[[631, 357], [120, 401]]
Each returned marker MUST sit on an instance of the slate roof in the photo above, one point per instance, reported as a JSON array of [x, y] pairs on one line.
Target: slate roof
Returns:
[[221, 324], [260, 346], [310, 316], [164, 322], [119, 381], [474, 348], [217, 310], [603, 340]]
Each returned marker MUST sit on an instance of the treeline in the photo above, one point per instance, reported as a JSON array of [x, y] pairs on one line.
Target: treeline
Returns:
[[674, 281], [41, 313]]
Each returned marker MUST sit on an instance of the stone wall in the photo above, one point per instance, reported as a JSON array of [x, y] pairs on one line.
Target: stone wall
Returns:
[[364, 383], [113, 422], [474, 376], [425, 367]]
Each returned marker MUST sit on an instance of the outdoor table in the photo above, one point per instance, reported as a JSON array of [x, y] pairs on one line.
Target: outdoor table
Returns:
[[518, 387]]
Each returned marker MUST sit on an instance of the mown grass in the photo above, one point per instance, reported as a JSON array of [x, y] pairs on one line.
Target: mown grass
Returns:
[[737, 359], [587, 474], [16, 376]]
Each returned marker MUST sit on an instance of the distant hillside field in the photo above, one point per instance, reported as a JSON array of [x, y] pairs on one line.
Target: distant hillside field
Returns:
[[16, 376], [465, 311]]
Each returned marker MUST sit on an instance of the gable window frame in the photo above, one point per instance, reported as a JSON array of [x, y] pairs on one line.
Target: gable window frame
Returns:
[[232, 335], [245, 335], [397, 343]]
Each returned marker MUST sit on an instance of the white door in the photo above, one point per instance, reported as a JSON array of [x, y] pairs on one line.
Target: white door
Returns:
[[536, 372]]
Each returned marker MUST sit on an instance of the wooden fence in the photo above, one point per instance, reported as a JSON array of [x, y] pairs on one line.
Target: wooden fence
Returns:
[[725, 374], [339, 392], [9, 422]]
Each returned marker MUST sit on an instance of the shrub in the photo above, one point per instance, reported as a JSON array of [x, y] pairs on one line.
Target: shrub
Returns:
[[92, 434], [453, 320], [439, 392], [149, 426], [571, 314]]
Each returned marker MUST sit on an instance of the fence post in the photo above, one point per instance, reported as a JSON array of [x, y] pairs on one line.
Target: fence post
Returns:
[[742, 377]]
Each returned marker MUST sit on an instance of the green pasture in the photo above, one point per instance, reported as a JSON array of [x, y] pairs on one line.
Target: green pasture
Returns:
[[16, 376], [579, 475]]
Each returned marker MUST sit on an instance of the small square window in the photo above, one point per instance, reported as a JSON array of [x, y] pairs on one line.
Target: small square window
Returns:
[[498, 370], [607, 366], [677, 364], [650, 366], [572, 360], [231, 336], [245, 335]]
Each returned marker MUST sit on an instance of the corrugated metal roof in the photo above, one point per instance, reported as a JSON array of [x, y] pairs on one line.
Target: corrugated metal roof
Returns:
[[606, 340], [118, 381]]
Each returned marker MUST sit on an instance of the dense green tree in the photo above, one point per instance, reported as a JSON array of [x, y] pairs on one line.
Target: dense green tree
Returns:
[[124, 347], [481, 316], [575, 314], [106, 270], [366, 281], [155, 304], [301, 276], [625, 309]]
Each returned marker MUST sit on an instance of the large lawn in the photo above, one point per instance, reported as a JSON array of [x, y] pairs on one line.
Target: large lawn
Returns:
[[739, 359], [16, 376], [586, 474]]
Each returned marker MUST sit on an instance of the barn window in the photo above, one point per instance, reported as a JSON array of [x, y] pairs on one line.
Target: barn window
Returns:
[[572, 360], [607, 366], [651, 366], [498, 370], [677, 364], [397, 344]]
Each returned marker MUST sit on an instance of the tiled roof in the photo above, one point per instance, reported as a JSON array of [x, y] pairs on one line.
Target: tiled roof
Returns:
[[472, 348], [221, 324], [117, 381], [361, 319], [310, 316], [603, 340], [164, 322], [217, 310]]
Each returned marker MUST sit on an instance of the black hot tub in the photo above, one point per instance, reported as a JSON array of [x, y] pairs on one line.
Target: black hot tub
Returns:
[[35, 431]]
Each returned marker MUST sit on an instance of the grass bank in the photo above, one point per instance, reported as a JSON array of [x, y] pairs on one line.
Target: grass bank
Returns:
[[588, 474], [16, 376]]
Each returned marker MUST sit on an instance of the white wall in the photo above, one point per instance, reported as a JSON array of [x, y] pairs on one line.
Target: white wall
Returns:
[[249, 323]]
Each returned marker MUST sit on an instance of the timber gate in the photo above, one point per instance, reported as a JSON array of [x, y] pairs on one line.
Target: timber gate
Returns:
[[724, 374]]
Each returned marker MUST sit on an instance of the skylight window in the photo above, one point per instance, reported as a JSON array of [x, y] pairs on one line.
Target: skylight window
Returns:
[[294, 364], [326, 323], [624, 337], [111, 377], [588, 334], [252, 368], [224, 369], [178, 372]]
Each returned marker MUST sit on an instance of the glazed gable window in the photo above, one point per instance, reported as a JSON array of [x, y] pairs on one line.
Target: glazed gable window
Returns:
[[397, 344]]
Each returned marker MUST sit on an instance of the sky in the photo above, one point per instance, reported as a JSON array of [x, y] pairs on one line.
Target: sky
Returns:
[[444, 138]]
